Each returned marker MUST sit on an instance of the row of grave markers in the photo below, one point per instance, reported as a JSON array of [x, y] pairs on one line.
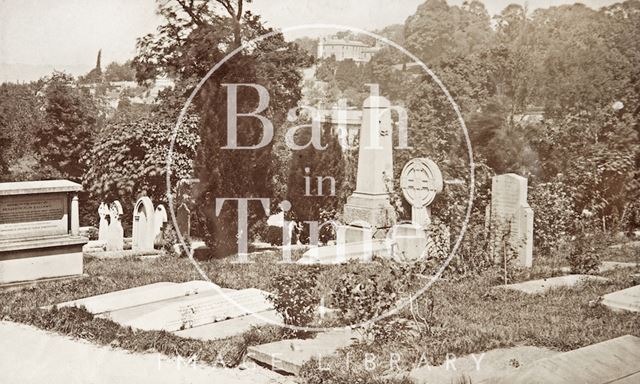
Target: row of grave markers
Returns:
[[147, 225]]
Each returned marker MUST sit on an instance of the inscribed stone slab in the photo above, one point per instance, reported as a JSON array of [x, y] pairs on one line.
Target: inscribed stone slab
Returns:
[[145, 294], [192, 311], [232, 327]]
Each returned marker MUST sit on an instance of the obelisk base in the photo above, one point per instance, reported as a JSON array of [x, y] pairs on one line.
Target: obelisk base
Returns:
[[373, 211]]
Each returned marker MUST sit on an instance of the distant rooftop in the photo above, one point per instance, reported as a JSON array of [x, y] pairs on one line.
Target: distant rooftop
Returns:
[[354, 43]]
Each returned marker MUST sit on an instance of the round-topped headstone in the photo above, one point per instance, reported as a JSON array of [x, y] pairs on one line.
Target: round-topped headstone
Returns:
[[420, 181]]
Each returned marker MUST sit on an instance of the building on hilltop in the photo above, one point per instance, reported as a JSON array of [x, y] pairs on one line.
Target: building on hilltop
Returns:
[[343, 49]]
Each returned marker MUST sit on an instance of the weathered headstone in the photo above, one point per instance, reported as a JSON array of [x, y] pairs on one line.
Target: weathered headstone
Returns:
[[421, 181], [143, 225], [39, 230], [183, 220], [511, 221], [159, 220], [115, 232]]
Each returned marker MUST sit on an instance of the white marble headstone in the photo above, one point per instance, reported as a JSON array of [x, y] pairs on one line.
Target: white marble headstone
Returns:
[[159, 220], [115, 232], [143, 225]]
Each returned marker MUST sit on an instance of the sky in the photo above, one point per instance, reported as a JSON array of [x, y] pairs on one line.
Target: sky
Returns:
[[37, 36]]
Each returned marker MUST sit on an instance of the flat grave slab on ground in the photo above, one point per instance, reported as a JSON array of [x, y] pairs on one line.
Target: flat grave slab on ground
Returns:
[[336, 254], [623, 300], [153, 254], [606, 266], [290, 355], [145, 294], [630, 244], [33, 356], [543, 285], [232, 327], [480, 366], [612, 361], [192, 311]]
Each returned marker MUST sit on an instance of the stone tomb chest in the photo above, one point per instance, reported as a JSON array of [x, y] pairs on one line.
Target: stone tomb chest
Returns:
[[39, 230]]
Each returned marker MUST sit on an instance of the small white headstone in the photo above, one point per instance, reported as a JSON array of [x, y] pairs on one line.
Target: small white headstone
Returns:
[[103, 212], [115, 232], [143, 225], [159, 220]]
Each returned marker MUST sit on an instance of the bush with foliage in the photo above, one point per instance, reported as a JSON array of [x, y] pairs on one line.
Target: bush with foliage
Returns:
[[129, 159], [295, 295], [273, 235], [317, 204], [554, 217], [365, 291], [170, 238], [584, 255]]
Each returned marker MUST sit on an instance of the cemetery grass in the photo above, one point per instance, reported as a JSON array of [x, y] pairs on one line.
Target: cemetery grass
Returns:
[[464, 315], [472, 316], [116, 274]]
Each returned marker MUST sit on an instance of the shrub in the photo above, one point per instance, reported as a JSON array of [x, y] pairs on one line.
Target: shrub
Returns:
[[274, 235], [584, 256], [92, 233], [366, 291], [169, 239], [295, 295], [554, 215]]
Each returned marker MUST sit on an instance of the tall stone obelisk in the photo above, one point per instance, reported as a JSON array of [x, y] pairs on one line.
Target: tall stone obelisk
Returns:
[[370, 202]]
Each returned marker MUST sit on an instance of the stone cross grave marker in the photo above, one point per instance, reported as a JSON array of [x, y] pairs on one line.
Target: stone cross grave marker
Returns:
[[421, 180]]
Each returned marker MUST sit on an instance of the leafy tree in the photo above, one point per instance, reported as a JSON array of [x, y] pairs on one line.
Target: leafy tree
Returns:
[[309, 164], [129, 159], [71, 121], [196, 35], [120, 72], [438, 30], [20, 115]]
